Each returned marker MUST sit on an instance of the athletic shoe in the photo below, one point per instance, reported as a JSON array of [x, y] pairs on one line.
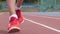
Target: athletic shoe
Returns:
[[20, 17], [14, 25]]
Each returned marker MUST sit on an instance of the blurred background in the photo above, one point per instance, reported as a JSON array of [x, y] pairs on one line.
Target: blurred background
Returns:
[[35, 6], [27, 6]]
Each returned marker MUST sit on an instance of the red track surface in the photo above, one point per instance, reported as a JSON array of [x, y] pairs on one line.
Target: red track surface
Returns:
[[29, 27]]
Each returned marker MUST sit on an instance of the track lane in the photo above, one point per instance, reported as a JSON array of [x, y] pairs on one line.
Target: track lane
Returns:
[[27, 27]]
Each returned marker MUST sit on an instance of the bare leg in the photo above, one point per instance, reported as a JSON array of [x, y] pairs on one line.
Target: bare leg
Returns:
[[19, 11], [19, 3], [13, 22], [11, 6]]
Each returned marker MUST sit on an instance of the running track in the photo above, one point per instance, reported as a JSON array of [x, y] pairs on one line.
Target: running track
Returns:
[[34, 24]]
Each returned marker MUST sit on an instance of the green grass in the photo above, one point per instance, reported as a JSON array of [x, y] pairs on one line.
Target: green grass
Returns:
[[23, 9], [50, 10], [4, 10], [32, 10]]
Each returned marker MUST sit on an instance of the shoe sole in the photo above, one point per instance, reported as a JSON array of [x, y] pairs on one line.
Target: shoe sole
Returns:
[[14, 29]]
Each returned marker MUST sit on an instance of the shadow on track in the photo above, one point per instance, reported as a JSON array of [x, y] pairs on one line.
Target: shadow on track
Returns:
[[6, 32]]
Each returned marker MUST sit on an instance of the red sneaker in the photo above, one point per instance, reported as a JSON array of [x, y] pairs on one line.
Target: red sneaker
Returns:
[[20, 17], [14, 25]]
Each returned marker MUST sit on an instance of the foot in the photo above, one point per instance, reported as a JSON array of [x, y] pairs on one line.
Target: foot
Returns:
[[20, 17], [14, 25]]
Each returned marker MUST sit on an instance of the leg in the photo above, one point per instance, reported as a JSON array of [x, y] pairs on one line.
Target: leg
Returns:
[[11, 6], [14, 23], [19, 3], [18, 10]]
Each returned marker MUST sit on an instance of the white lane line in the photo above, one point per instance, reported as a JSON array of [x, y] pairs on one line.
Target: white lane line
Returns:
[[51, 28]]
